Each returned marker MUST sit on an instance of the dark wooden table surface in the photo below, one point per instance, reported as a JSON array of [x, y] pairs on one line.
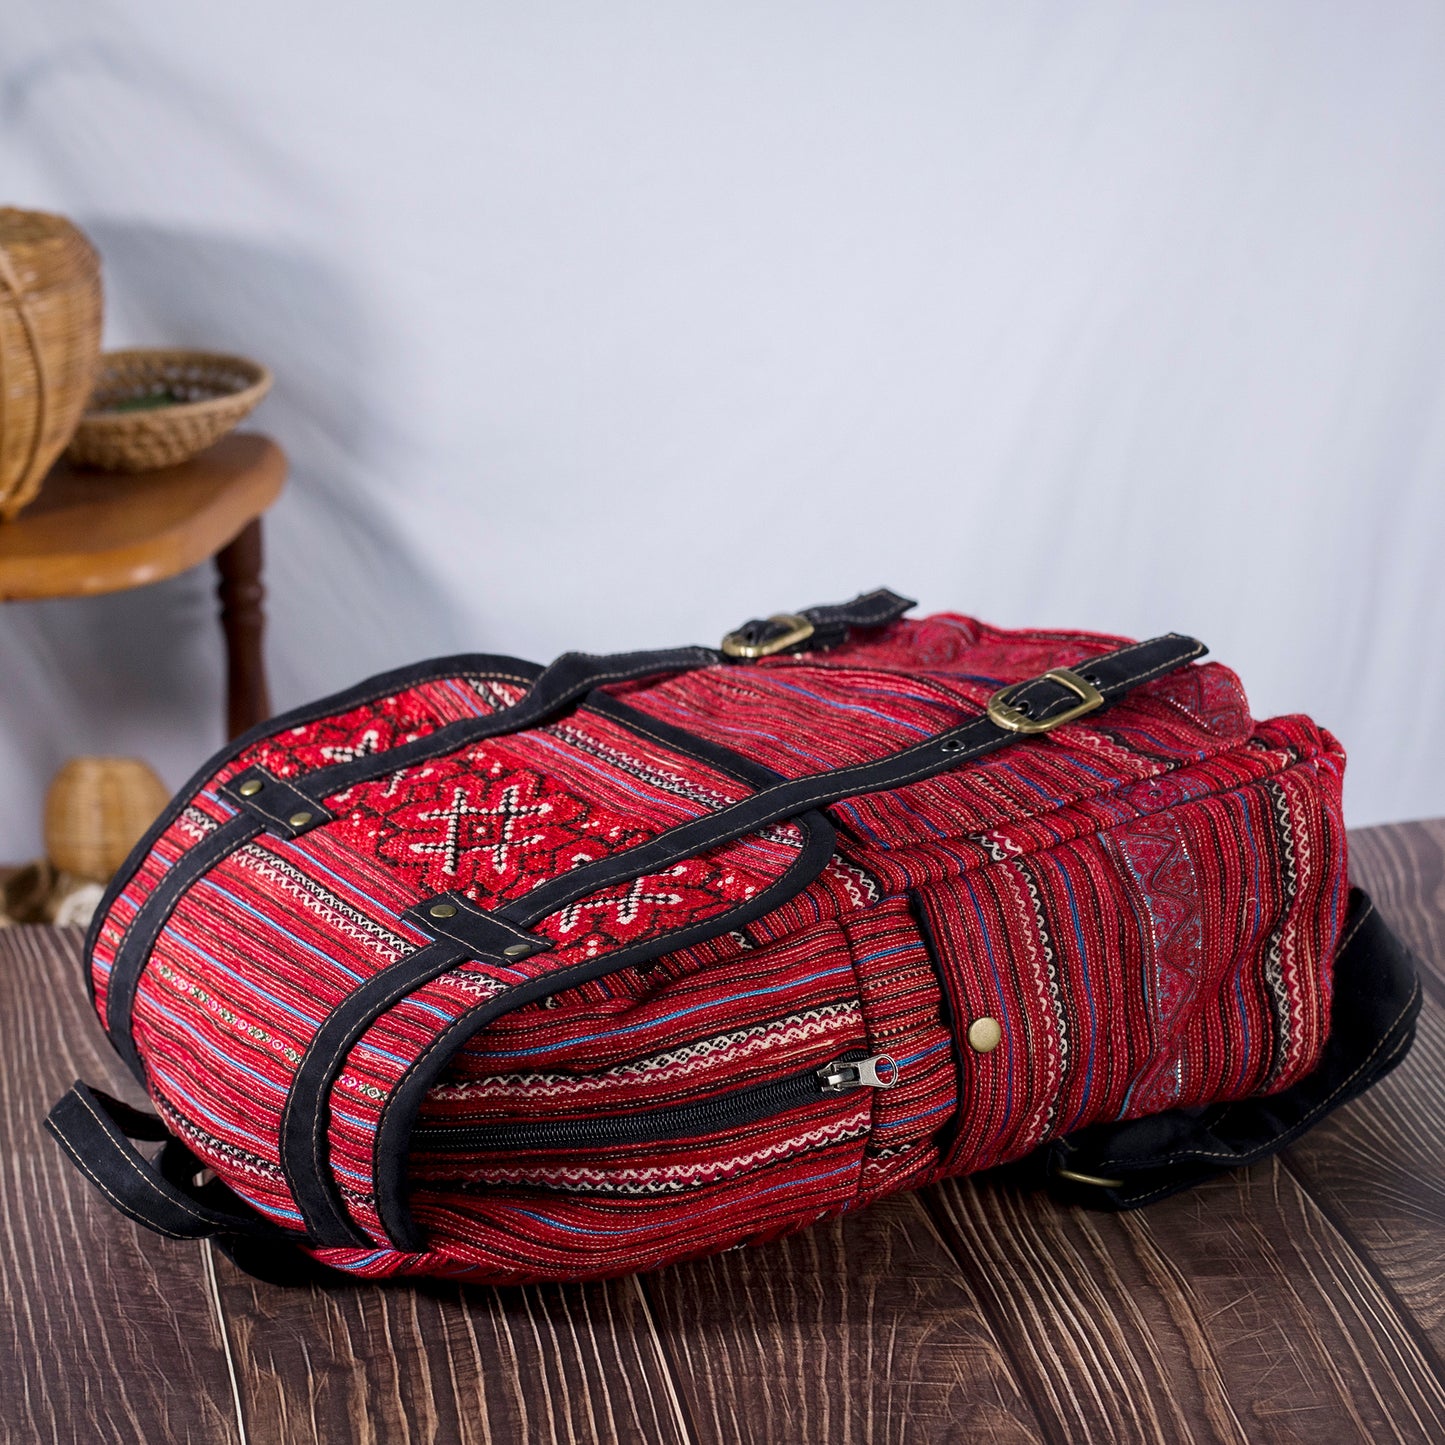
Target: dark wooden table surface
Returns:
[[1303, 1300]]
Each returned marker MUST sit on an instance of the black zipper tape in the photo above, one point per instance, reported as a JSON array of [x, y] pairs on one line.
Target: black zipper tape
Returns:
[[679, 1121]]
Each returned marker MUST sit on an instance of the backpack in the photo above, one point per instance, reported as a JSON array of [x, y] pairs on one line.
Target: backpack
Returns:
[[510, 973]]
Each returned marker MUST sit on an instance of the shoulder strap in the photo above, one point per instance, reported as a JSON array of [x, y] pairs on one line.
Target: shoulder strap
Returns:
[[1376, 1001]]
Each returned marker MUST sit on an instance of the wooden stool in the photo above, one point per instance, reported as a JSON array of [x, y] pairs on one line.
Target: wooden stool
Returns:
[[90, 532]]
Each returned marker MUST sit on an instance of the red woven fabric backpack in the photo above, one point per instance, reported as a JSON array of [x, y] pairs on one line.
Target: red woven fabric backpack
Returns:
[[487, 970]]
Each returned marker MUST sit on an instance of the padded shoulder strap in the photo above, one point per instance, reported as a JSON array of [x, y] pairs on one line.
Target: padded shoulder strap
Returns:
[[1375, 1005]]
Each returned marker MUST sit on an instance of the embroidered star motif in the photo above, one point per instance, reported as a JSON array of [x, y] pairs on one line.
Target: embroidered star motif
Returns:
[[368, 743], [509, 811], [627, 904]]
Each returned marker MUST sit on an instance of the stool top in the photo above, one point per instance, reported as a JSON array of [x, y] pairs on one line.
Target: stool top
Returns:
[[91, 531]]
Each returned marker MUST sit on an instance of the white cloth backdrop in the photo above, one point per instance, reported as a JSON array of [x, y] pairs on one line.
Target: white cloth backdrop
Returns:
[[611, 325]]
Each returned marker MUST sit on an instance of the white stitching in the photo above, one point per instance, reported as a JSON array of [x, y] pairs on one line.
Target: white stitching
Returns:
[[73, 1149], [828, 791]]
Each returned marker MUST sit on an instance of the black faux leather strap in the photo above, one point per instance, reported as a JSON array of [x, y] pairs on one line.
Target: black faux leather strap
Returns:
[[304, 1152], [96, 1130], [831, 623], [1113, 673], [145, 928], [1375, 1005], [570, 677]]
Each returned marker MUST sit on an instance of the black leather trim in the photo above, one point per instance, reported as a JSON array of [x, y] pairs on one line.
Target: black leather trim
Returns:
[[569, 678], [392, 1147], [96, 1132], [715, 755], [1114, 674], [483, 934], [275, 803], [510, 669], [145, 928], [304, 1153], [832, 622]]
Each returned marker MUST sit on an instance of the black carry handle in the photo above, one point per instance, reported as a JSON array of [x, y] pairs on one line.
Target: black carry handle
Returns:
[[1375, 1005], [96, 1131]]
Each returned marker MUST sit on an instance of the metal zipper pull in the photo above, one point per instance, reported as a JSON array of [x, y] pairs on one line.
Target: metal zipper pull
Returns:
[[878, 1072]]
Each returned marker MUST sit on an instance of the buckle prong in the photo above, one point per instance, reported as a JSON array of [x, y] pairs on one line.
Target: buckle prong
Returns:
[[796, 629], [1003, 713]]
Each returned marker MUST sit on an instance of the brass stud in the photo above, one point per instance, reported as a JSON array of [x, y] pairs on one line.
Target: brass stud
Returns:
[[516, 950], [250, 788], [299, 820], [443, 910], [984, 1035]]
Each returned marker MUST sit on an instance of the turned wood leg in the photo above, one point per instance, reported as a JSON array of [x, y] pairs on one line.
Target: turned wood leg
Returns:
[[243, 620]]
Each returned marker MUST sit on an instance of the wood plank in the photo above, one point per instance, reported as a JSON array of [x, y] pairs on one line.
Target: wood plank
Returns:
[[1377, 1167], [420, 1362], [1402, 867], [863, 1328], [107, 1333], [1234, 1312]]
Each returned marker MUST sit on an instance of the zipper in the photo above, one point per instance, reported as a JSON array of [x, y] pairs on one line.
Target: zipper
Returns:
[[853, 1071]]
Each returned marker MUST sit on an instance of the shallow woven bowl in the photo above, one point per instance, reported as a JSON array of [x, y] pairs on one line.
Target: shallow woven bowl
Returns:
[[214, 394]]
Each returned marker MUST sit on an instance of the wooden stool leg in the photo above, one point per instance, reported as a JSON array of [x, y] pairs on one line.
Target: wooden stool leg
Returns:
[[243, 620]]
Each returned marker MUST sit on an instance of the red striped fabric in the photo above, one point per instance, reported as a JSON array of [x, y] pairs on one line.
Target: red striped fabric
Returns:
[[1147, 901]]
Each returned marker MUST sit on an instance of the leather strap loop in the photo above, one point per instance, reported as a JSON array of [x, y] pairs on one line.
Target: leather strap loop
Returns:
[[827, 626], [96, 1130]]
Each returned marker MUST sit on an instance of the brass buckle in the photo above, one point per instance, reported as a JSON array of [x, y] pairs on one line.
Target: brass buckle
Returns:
[[1005, 715], [798, 629]]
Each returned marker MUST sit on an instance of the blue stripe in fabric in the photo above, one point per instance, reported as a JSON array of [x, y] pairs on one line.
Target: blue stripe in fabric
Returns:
[[850, 1167], [679, 803], [924, 1053], [1018, 777], [914, 1118], [190, 1031], [246, 983], [266, 1206], [680, 1013], [175, 1087], [371, 1258], [209, 882], [384, 1053], [1088, 994], [849, 809], [306, 862], [889, 952], [839, 706]]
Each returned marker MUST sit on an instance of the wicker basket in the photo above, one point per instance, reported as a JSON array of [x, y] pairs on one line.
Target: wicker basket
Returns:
[[95, 810], [154, 408], [49, 341]]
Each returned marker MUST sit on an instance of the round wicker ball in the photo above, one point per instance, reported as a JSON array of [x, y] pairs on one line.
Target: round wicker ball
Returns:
[[49, 342], [96, 810]]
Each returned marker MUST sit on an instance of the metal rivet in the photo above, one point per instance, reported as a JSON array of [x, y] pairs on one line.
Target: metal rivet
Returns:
[[443, 910], [299, 820], [250, 788], [516, 950], [984, 1035]]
